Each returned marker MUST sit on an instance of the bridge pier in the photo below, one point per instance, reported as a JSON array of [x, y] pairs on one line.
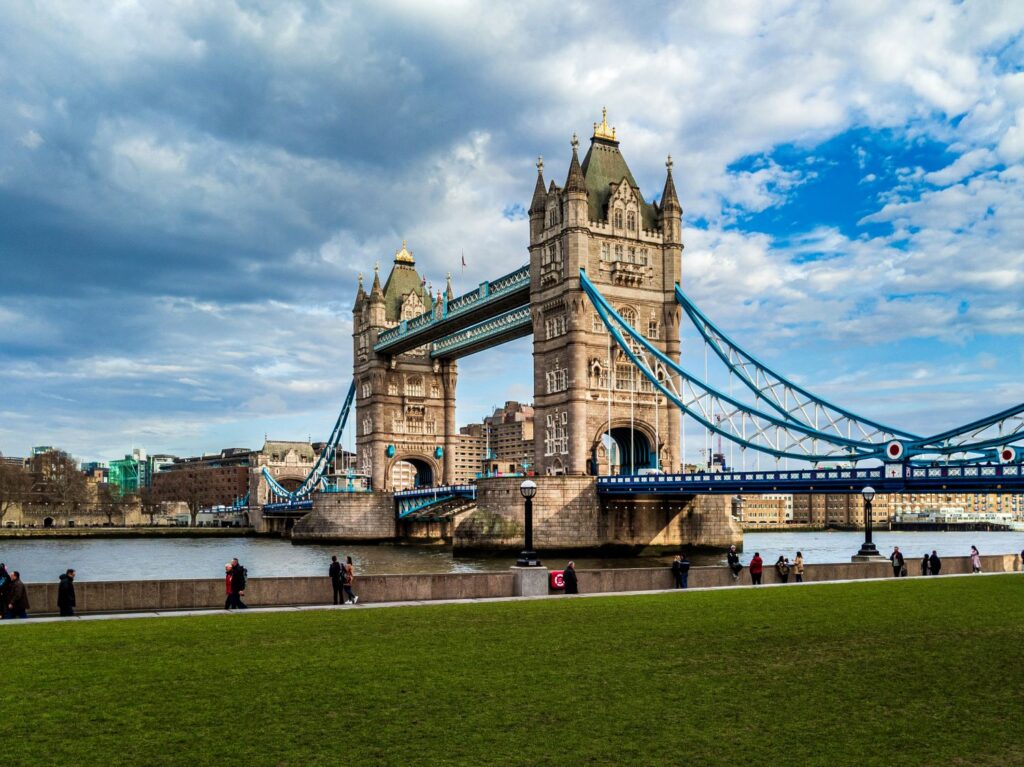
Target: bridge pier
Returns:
[[570, 516]]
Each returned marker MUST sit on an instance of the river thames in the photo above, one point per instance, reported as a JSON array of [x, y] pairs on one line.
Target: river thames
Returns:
[[101, 559]]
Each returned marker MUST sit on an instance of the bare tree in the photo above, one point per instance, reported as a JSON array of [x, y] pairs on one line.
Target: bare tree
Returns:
[[111, 502], [150, 504], [57, 481], [15, 484]]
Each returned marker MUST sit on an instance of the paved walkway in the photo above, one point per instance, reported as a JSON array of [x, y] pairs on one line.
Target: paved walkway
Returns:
[[431, 602]]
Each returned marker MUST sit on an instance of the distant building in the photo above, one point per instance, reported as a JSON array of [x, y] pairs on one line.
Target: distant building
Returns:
[[768, 509], [130, 474], [217, 479], [500, 444]]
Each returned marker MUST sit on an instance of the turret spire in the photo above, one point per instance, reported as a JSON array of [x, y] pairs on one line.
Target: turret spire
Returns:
[[539, 196], [668, 195], [575, 182]]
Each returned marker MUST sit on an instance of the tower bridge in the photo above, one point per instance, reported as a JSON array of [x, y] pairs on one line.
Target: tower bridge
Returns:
[[601, 298]]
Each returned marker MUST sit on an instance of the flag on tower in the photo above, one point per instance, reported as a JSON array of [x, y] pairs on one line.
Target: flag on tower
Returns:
[[463, 261]]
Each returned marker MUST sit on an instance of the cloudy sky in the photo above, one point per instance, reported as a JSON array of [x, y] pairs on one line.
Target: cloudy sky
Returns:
[[188, 191]]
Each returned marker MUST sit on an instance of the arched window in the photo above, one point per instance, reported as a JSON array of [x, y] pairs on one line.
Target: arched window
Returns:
[[629, 314], [631, 221], [617, 219], [414, 386]]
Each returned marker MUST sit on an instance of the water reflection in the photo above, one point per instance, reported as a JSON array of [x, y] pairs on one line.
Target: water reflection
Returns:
[[152, 559]]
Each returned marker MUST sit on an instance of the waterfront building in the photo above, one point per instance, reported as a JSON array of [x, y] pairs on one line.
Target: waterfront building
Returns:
[[130, 474], [767, 509], [502, 443], [208, 480]]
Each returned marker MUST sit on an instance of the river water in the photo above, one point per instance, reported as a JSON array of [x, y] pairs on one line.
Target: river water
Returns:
[[103, 559]]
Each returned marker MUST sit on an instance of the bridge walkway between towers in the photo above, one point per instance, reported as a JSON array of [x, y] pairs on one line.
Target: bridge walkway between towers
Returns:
[[505, 300], [890, 478]]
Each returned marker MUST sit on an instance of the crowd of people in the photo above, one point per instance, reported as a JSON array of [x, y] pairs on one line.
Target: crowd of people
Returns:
[[783, 567]]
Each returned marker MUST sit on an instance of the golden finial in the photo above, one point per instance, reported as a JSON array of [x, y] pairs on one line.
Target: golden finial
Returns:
[[668, 163], [602, 130], [404, 256], [540, 164], [376, 267], [360, 279], [575, 141]]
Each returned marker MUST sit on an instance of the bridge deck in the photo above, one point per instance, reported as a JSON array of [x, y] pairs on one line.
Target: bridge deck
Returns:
[[490, 300], [891, 478]]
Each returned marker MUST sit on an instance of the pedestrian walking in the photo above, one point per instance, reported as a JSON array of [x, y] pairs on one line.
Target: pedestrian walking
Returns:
[[798, 567], [239, 580], [684, 571], [756, 568], [228, 601], [66, 593], [975, 560], [348, 578], [926, 564], [934, 563], [334, 573], [18, 605], [735, 567], [896, 558], [782, 568], [677, 571], [569, 576], [5, 589]]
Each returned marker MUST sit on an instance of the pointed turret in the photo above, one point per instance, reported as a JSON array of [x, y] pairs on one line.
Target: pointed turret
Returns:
[[670, 210], [668, 196], [575, 181], [539, 200], [360, 296], [448, 292], [375, 303]]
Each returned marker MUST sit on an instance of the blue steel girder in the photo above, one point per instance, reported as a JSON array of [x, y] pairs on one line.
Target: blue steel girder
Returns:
[[890, 478], [792, 401], [497, 330], [316, 476], [718, 412], [491, 299]]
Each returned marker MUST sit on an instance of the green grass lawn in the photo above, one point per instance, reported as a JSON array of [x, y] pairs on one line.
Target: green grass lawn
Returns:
[[914, 672]]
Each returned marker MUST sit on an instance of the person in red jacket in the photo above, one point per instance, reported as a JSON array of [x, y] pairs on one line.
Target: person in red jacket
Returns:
[[756, 568], [227, 586]]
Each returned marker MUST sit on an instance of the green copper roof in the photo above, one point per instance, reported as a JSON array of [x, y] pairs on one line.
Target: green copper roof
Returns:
[[403, 280], [604, 165]]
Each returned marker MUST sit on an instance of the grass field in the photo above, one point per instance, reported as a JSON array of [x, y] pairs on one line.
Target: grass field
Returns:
[[911, 672]]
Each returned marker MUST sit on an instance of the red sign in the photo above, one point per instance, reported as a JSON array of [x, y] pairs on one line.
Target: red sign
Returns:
[[557, 579]]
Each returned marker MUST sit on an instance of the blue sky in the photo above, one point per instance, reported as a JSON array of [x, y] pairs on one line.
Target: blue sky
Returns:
[[188, 191]]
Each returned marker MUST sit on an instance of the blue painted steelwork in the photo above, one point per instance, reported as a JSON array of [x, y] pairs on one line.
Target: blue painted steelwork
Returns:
[[405, 334], [505, 327], [288, 507], [408, 502], [792, 401], [769, 434], [315, 478], [889, 478]]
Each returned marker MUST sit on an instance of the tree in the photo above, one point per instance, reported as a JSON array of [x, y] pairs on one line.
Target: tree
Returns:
[[15, 484], [150, 504], [111, 502], [57, 481]]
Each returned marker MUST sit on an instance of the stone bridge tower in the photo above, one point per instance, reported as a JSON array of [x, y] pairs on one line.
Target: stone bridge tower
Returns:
[[405, 403], [631, 249]]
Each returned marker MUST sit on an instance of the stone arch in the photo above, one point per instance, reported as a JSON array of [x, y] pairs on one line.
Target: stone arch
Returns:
[[427, 470], [628, 448], [48, 522]]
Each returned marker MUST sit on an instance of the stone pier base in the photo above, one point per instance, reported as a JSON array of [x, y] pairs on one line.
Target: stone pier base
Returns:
[[569, 516]]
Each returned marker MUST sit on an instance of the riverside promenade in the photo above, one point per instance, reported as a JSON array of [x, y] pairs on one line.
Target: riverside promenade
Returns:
[[194, 597]]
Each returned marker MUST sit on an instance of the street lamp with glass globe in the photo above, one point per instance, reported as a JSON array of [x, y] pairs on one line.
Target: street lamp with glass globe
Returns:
[[867, 549], [528, 557]]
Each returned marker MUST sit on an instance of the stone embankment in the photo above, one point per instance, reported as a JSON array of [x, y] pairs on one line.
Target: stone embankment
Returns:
[[132, 596], [125, 532]]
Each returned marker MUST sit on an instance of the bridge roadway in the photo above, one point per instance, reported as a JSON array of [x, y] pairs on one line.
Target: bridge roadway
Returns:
[[890, 478], [472, 311]]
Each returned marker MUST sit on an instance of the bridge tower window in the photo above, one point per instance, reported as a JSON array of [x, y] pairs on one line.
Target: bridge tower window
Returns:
[[414, 386], [617, 219], [631, 221]]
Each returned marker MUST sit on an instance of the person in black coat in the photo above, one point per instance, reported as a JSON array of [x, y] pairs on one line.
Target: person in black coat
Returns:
[[5, 589], [571, 586], [17, 605], [66, 593], [926, 565], [734, 563], [237, 585], [334, 572], [684, 571], [934, 563]]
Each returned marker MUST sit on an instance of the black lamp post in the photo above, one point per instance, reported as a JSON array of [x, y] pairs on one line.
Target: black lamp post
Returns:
[[867, 549], [528, 557]]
